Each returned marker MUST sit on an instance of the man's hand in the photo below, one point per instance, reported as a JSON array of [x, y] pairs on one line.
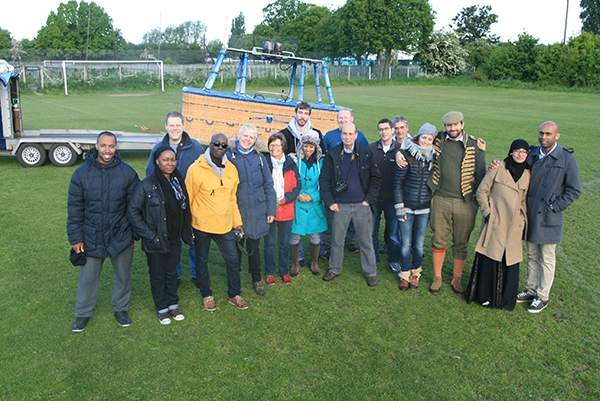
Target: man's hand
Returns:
[[334, 208], [78, 247], [401, 160], [494, 164], [240, 229]]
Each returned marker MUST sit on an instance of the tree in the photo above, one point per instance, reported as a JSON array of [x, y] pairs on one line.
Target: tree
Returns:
[[590, 16], [4, 39], [473, 23], [79, 31], [213, 48], [238, 29], [381, 26], [443, 55], [514, 60], [276, 15], [188, 35]]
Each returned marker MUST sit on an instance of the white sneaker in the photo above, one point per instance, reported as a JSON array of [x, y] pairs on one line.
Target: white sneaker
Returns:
[[163, 318]]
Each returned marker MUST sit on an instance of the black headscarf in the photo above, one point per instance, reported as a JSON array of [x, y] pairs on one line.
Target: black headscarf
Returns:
[[177, 206], [516, 169]]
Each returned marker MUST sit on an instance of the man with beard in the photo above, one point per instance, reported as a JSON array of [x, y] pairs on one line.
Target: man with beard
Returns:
[[97, 226], [458, 168], [298, 126]]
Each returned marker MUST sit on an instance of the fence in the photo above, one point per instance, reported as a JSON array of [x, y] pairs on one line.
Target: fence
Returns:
[[36, 74]]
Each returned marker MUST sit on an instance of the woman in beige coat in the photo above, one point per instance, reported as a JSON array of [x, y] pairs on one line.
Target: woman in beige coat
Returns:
[[502, 196]]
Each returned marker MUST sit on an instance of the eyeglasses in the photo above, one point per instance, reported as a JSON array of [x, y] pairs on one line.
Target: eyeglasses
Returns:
[[216, 144], [520, 152]]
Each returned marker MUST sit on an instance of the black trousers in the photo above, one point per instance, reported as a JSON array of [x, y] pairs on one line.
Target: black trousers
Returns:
[[163, 276]]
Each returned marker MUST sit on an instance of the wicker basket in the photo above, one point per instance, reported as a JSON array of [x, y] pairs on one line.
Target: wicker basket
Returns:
[[207, 113]]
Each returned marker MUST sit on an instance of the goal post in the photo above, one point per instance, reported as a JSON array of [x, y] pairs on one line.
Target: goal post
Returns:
[[65, 64]]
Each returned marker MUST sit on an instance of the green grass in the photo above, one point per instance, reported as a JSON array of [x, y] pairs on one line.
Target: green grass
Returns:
[[312, 340]]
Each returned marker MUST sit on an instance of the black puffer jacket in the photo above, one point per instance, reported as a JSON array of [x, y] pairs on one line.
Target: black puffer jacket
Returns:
[[97, 206], [148, 218], [410, 184]]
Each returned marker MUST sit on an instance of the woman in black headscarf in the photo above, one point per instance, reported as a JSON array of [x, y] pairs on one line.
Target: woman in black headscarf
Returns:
[[159, 213], [502, 196]]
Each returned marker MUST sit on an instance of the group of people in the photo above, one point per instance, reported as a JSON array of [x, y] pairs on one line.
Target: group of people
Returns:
[[332, 188]]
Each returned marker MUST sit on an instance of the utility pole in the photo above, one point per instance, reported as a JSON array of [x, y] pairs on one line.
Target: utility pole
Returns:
[[566, 17]]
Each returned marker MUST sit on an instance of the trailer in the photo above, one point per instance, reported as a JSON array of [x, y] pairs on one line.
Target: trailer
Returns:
[[61, 146]]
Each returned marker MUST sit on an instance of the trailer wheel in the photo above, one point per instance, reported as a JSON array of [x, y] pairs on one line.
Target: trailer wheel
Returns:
[[62, 155], [31, 155]]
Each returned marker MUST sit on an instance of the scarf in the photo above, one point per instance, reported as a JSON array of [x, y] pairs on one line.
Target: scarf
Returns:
[[277, 174], [297, 134], [177, 209], [242, 151], [515, 169], [418, 152]]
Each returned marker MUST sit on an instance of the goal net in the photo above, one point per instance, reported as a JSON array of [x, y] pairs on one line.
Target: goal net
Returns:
[[86, 70]]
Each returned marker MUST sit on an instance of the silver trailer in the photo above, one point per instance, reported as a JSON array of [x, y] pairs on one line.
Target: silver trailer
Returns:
[[62, 147]]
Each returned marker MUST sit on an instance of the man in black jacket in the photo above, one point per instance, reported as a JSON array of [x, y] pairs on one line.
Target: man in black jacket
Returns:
[[97, 224], [350, 183], [384, 151]]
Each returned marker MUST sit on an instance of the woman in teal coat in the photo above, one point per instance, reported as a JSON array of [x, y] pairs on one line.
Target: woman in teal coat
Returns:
[[310, 218]]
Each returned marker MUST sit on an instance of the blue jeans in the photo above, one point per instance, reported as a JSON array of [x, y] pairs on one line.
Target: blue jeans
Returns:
[[279, 234], [413, 232], [228, 248], [391, 234], [192, 262]]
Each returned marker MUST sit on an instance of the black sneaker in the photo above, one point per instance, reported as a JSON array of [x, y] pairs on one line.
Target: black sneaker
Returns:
[[524, 296], [123, 319], [537, 306], [80, 324]]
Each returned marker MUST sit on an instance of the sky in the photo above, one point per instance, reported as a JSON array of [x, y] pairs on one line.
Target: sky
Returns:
[[543, 19]]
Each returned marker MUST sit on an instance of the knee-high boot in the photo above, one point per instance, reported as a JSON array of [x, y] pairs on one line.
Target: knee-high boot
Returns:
[[294, 255], [314, 259], [438, 256]]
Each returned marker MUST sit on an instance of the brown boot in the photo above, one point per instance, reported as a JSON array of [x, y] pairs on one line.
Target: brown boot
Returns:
[[415, 274], [294, 254], [404, 277], [458, 270], [438, 262], [314, 259]]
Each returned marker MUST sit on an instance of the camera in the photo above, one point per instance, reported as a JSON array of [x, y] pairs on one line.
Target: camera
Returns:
[[238, 234], [340, 186]]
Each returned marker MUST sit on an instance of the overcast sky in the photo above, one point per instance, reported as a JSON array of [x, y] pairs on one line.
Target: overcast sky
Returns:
[[543, 19]]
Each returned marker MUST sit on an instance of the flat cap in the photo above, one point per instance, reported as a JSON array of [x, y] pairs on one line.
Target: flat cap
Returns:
[[452, 117]]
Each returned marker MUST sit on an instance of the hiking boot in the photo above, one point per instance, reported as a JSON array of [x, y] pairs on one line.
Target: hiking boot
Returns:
[[456, 285], [80, 324], [537, 306], [329, 276], [209, 303], [176, 314], [123, 319], [163, 318], [415, 274], [259, 288], [404, 285], [524, 296], [372, 281], [270, 279], [238, 302], [436, 285]]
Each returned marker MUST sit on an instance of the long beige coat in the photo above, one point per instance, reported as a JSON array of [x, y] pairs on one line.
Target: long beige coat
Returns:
[[507, 207]]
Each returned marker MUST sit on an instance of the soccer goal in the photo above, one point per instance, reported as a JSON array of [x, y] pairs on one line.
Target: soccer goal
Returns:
[[93, 69]]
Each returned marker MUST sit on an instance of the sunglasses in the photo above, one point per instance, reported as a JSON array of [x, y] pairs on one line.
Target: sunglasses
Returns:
[[217, 144]]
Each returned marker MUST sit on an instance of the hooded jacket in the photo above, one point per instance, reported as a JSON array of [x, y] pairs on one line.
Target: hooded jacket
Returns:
[[188, 150]]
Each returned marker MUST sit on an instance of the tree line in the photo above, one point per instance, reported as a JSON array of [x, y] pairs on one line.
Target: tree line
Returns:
[[359, 32]]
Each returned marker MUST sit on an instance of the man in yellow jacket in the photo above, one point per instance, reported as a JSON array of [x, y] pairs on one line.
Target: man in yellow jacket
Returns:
[[212, 184]]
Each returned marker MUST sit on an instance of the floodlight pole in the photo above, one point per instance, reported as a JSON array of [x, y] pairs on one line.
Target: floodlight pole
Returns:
[[566, 17]]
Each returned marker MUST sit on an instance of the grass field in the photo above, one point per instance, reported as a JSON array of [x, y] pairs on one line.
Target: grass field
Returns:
[[312, 340]]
